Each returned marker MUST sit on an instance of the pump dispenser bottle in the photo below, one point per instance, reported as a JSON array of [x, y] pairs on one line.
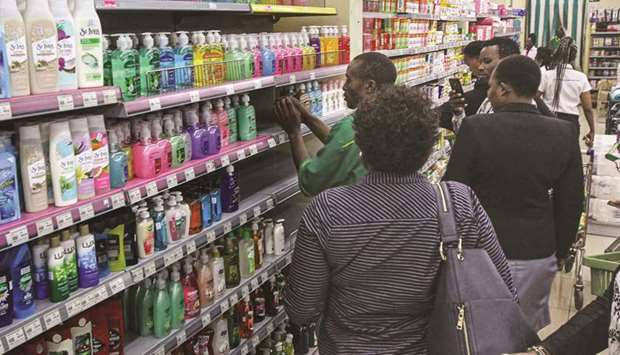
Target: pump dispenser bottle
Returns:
[[166, 62], [150, 76], [118, 163], [183, 61]]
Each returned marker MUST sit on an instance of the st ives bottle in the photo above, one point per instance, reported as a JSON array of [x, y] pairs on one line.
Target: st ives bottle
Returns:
[[84, 158], [67, 73], [16, 48], [42, 41], [62, 164], [101, 155], [33, 169], [89, 44]]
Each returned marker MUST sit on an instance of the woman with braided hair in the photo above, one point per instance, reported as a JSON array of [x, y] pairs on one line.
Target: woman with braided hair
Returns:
[[564, 89]]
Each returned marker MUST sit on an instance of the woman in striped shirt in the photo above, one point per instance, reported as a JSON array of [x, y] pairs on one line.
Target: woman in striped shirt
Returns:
[[366, 256]]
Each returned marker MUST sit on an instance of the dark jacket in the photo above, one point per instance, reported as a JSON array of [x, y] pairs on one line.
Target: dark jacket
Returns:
[[527, 171]]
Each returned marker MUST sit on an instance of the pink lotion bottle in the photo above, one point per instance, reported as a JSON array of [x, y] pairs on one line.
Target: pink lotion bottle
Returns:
[[298, 52], [258, 56], [147, 159], [289, 52], [163, 144], [274, 42], [222, 122]]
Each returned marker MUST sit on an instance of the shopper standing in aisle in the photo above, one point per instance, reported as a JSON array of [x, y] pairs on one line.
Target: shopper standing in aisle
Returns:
[[564, 89], [530, 46], [473, 98], [492, 53], [366, 257], [526, 169], [543, 58], [337, 163]]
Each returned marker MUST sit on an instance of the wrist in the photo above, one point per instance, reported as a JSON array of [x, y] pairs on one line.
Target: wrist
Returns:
[[294, 133]]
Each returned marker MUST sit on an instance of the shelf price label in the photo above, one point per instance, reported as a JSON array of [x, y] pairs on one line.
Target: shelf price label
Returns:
[[282, 138], [190, 174], [244, 350], [45, 226], [16, 338], [65, 102], [313, 76], [271, 143], [210, 166], [33, 329], [18, 236], [118, 200], [172, 181], [264, 277], [258, 84], [73, 307], [101, 294], [206, 319], [137, 275], [194, 96], [5, 111], [181, 337], [257, 211], [230, 90], [270, 328], [52, 319], [154, 104], [243, 219], [241, 154], [224, 306], [225, 161], [87, 211], [64, 220], [109, 97], [245, 290], [190, 247], [212, 6], [227, 227], [210, 236], [292, 79], [135, 195], [117, 285], [254, 283], [270, 203], [151, 189], [150, 269], [253, 149], [234, 298], [89, 99], [255, 341]]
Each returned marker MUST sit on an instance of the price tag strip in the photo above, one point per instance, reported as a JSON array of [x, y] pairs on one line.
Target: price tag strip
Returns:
[[135, 195], [64, 220], [150, 269], [89, 99], [65, 102], [151, 189], [16, 338], [87, 211], [5, 111], [118, 200], [33, 329], [190, 174], [52, 319], [117, 285], [18, 236]]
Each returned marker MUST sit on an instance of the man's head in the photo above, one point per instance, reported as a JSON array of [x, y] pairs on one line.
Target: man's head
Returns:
[[531, 40], [544, 57], [493, 51], [366, 74], [514, 80], [471, 56]]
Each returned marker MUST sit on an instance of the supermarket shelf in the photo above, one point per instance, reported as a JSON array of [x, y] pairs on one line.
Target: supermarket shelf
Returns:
[[178, 5], [603, 68], [412, 51], [35, 225], [605, 47], [151, 345], [261, 331], [507, 34], [428, 78], [600, 228], [286, 10], [603, 56], [148, 104], [50, 314], [605, 33], [601, 77], [386, 15], [62, 101]]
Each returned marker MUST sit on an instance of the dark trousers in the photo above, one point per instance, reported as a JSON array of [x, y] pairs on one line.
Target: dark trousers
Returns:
[[568, 117]]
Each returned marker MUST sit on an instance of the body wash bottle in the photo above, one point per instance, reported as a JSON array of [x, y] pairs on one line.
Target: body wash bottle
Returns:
[[222, 122], [161, 309], [150, 76], [101, 249], [144, 304], [161, 235], [219, 273], [89, 44], [118, 163], [177, 300], [246, 254], [183, 207], [67, 74], [71, 268], [190, 291], [204, 277], [42, 41], [116, 245], [87, 258], [229, 188], [246, 119], [59, 288], [147, 156], [84, 158], [33, 169], [39, 257], [62, 164], [21, 278], [101, 155], [16, 48], [145, 230]]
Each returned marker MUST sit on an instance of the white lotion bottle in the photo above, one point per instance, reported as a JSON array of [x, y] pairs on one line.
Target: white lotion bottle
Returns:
[[279, 238], [16, 48], [42, 42], [33, 169], [62, 164], [67, 76], [89, 44]]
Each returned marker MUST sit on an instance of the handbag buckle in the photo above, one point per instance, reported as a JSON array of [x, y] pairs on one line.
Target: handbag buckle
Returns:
[[459, 255]]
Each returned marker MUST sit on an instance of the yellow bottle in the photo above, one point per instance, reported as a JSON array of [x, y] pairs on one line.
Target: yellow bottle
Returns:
[[199, 42]]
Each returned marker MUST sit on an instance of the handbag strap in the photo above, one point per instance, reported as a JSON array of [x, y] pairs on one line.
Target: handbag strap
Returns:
[[447, 222]]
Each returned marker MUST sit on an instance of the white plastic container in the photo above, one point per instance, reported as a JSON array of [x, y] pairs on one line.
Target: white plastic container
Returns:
[[89, 44], [66, 32], [16, 48], [62, 164], [33, 169], [279, 238], [42, 42]]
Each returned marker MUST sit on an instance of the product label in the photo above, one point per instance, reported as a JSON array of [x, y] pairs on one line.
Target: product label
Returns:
[[91, 50], [44, 50], [5, 293], [24, 286], [192, 302], [84, 161], [66, 47], [180, 226], [36, 175], [172, 226]]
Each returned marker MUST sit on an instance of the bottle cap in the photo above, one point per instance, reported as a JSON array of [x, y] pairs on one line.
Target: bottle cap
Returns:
[[55, 241], [187, 267], [158, 208], [145, 214], [161, 283], [147, 40], [175, 276], [230, 169], [289, 338], [182, 39], [162, 39], [245, 99], [280, 221], [171, 203], [84, 230]]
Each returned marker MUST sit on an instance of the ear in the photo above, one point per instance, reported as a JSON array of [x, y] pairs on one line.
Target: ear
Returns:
[[370, 86], [505, 89]]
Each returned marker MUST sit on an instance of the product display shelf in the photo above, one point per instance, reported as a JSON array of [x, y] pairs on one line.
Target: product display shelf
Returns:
[[413, 51], [290, 10], [155, 346], [178, 5], [35, 225], [606, 56], [507, 34], [61, 101], [436, 156], [605, 33], [436, 76], [386, 15], [262, 331], [602, 77], [174, 99], [600, 228], [50, 314], [603, 68]]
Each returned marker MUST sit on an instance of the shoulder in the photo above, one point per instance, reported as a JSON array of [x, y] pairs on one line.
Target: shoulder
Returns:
[[344, 125]]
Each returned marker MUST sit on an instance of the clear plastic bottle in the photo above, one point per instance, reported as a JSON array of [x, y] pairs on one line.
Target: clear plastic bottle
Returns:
[[145, 231]]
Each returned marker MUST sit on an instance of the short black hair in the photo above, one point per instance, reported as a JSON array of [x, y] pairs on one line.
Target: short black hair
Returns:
[[544, 55], [521, 73], [505, 45], [473, 49], [396, 129], [532, 36], [377, 67]]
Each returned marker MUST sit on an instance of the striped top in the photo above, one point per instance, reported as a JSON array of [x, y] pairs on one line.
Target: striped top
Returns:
[[366, 259]]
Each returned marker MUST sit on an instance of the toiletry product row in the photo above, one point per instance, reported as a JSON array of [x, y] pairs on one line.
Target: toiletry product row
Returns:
[[420, 66], [49, 48], [319, 99], [155, 63], [422, 7]]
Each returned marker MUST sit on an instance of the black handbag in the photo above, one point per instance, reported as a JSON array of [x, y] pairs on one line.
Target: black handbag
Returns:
[[474, 312]]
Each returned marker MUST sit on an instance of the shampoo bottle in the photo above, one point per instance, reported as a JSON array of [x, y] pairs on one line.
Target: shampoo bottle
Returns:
[[118, 163], [59, 288], [218, 271], [246, 254], [161, 236], [101, 155], [6, 294], [144, 304], [246, 119], [67, 74], [16, 48], [229, 188], [39, 257], [84, 158], [205, 279], [145, 231], [231, 261], [150, 76], [42, 42], [62, 164], [33, 169], [161, 309], [101, 248], [89, 45], [222, 120], [71, 267], [190, 291], [87, 258], [177, 300]]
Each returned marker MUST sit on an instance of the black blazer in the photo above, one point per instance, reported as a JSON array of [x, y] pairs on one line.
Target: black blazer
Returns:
[[527, 172]]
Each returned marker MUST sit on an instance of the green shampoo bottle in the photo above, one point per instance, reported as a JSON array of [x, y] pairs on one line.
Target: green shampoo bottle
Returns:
[[246, 119], [177, 303], [161, 309], [145, 308]]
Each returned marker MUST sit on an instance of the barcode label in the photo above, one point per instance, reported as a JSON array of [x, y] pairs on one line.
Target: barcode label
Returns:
[[190, 174], [45, 226], [109, 97], [117, 285], [172, 181], [137, 275], [241, 154], [65, 102], [87, 211], [89, 99], [33, 329], [52, 319], [194, 96], [151, 189], [154, 104], [64, 220], [118, 200], [16, 338], [5, 111], [135, 195]]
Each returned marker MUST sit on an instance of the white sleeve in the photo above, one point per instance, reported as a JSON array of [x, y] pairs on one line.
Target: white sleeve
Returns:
[[543, 81], [585, 87]]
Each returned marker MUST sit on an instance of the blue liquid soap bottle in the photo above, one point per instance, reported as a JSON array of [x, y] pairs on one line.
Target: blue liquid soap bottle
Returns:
[[166, 62], [9, 185], [268, 56], [6, 296], [21, 277], [5, 80], [183, 61], [216, 205], [118, 162]]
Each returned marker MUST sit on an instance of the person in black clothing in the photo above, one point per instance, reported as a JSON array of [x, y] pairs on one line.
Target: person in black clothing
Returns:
[[544, 58], [526, 169]]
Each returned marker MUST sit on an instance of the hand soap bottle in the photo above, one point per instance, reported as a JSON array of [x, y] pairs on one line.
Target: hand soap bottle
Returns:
[[147, 156], [125, 68], [204, 277], [162, 144], [177, 142], [222, 121], [67, 76], [150, 76], [199, 47], [145, 314], [198, 135], [184, 61], [219, 274], [257, 57], [190, 291], [39, 258], [246, 254], [118, 163], [145, 231], [16, 48], [89, 45], [268, 58], [166, 62], [84, 158], [229, 188], [246, 119], [233, 132], [187, 139], [161, 309], [42, 41], [161, 235]]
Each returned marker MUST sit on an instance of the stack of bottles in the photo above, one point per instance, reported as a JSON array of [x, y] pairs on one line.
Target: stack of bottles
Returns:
[[49, 48], [419, 66], [165, 61], [319, 99], [225, 333], [268, 2], [422, 7], [99, 330]]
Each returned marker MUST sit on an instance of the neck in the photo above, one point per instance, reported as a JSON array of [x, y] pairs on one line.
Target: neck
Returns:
[[519, 100]]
